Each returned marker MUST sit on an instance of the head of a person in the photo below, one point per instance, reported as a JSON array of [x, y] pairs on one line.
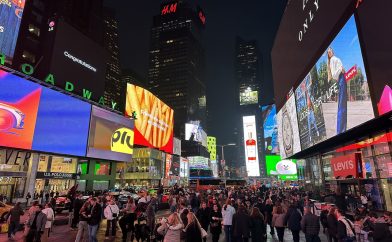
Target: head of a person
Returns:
[[339, 213], [112, 201], [173, 219], [330, 52], [361, 208], [256, 213], [269, 201], [93, 201], [48, 205], [204, 205], [215, 207], [17, 205], [332, 210]]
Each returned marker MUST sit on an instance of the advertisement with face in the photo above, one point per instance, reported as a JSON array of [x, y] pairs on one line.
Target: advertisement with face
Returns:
[[270, 127], [195, 132], [288, 134], [154, 119], [11, 12], [111, 136], [334, 96], [250, 146], [284, 169]]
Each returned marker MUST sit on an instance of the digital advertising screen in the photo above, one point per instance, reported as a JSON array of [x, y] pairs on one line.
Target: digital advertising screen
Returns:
[[334, 96], [270, 128], [211, 146], [37, 118], [11, 12], [176, 146], [102, 168], [288, 134], [154, 119], [78, 60], [111, 136], [249, 97], [184, 167], [198, 162], [195, 132], [284, 169], [175, 166], [250, 146]]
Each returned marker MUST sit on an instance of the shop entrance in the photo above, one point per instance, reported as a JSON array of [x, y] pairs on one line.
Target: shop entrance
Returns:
[[7, 191], [56, 185]]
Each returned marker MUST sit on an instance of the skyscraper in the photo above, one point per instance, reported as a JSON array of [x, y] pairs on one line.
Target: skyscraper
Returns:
[[114, 84], [248, 78], [176, 63]]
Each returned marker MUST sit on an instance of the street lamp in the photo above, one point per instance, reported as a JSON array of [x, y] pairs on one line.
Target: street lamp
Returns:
[[223, 152]]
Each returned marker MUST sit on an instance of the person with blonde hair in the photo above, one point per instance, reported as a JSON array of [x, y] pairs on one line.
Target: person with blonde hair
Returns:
[[336, 72], [171, 228]]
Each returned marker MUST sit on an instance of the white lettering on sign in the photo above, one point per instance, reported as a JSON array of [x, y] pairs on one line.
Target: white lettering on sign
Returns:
[[346, 165], [77, 60], [1, 29], [313, 9]]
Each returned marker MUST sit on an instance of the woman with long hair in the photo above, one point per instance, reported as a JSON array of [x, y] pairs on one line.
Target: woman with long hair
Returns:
[[227, 214], [193, 229], [278, 221], [336, 72], [203, 215], [171, 228], [215, 223], [241, 224], [258, 226]]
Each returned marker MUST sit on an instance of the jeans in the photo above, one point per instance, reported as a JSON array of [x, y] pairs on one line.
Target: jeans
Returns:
[[228, 232], [111, 224], [312, 238], [92, 233], [342, 105], [82, 231], [280, 232], [295, 234], [14, 226], [127, 224]]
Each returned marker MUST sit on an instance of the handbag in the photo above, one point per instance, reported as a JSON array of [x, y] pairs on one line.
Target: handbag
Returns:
[[114, 215], [203, 232]]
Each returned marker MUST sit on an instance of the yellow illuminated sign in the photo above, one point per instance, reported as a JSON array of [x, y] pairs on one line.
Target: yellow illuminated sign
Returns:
[[122, 141]]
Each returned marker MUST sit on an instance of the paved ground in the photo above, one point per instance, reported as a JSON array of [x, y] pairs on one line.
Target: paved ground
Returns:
[[63, 233]]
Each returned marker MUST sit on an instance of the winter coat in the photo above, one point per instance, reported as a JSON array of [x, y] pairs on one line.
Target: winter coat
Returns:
[[332, 225], [293, 218], [241, 225], [110, 210], [193, 232], [216, 229], [278, 220], [204, 217], [258, 229], [171, 233]]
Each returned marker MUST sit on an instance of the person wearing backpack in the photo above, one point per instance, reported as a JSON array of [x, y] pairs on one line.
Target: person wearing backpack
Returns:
[[111, 213], [293, 218], [345, 229]]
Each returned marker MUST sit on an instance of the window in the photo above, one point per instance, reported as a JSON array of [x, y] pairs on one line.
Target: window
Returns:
[[28, 56], [34, 30]]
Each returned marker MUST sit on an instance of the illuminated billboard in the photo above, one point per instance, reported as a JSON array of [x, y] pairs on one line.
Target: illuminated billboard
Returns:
[[11, 12], [194, 132], [288, 134], [334, 96], [211, 146], [176, 146], [284, 169], [154, 119], [34, 117], [198, 162], [249, 97], [111, 136], [250, 146], [270, 128], [184, 167]]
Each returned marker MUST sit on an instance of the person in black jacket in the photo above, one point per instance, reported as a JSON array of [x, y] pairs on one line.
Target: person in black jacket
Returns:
[[268, 214], [332, 225], [258, 226], [241, 224], [215, 223], [94, 218], [293, 218], [78, 203], [345, 228], [192, 230], [203, 214]]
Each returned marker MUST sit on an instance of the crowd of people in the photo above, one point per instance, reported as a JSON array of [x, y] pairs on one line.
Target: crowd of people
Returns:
[[239, 214]]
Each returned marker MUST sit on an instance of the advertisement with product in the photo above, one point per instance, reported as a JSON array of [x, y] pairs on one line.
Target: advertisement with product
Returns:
[[111, 136], [184, 167], [78, 64], [11, 12], [284, 169], [34, 117], [211, 146], [249, 97], [288, 134], [347, 165], [194, 132], [334, 96], [168, 164], [270, 128], [154, 119], [250, 146]]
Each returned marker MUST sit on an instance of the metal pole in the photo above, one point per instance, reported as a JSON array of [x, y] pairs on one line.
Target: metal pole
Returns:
[[223, 154]]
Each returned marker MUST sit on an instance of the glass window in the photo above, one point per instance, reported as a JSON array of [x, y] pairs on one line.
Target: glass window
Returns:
[[369, 168], [83, 166], [28, 56], [43, 163], [63, 164], [384, 164]]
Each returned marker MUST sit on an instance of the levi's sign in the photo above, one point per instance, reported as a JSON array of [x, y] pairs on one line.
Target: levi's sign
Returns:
[[344, 166]]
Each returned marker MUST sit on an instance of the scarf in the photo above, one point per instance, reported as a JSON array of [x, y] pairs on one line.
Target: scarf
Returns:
[[349, 226]]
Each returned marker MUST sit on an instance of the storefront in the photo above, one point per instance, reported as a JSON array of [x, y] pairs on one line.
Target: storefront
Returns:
[[145, 170]]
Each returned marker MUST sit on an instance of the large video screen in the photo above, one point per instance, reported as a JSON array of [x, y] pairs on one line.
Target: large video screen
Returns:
[[250, 146], [334, 96], [184, 167], [154, 119], [111, 136], [198, 162], [249, 97], [195, 132], [38, 118], [11, 13], [211, 146], [270, 128], [78, 60], [284, 169], [288, 134]]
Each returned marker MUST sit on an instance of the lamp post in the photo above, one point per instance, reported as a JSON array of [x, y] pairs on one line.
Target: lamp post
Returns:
[[223, 152]]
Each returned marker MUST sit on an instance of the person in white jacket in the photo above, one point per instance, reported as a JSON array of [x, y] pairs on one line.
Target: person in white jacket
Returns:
[[48, 210], [227, 215], [111, 214]]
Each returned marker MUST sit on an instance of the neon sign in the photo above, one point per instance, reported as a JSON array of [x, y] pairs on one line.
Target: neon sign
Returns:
[[202, 17], [169, 8]]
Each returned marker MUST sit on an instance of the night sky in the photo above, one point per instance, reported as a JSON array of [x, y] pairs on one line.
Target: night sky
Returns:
[[249, 19]]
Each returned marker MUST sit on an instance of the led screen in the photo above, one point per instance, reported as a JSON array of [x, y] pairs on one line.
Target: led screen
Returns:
[[250, 146], [168, 164], [184, 167], [288, 134], [175, 166], [211, 145], [284, 169], [154, 119], [102, 168], [38, 118], [195, 132], [334, 96], [198, 162], [249, 97], [11, 12], [111, 136], [270, 128]]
